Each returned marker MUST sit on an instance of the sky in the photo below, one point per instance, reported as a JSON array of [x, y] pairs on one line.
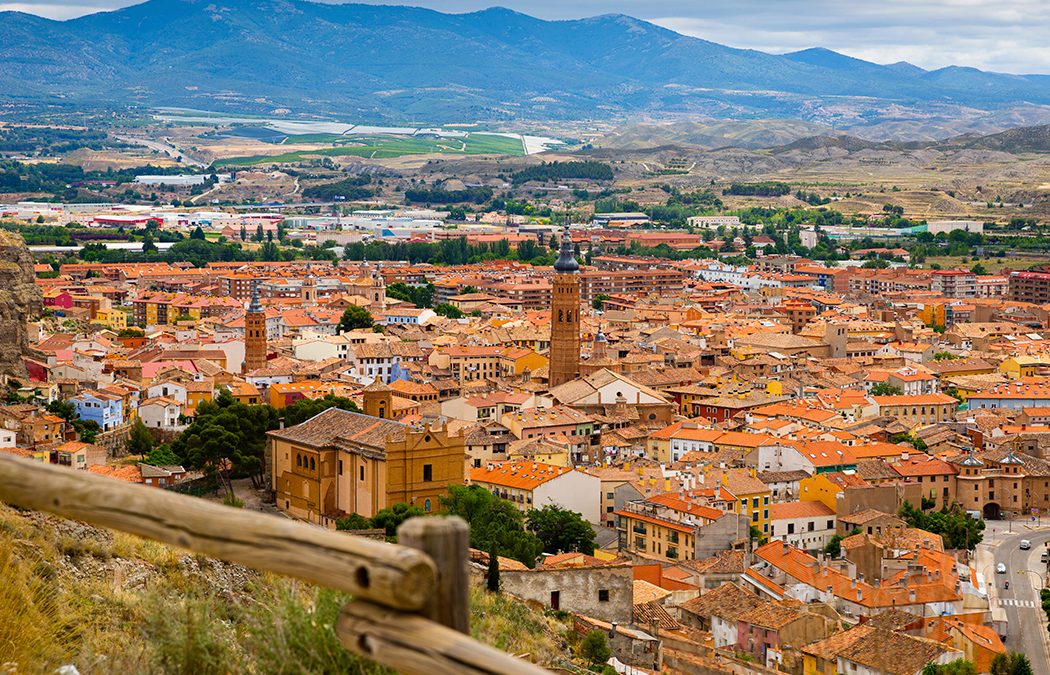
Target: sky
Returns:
[[999, 35]]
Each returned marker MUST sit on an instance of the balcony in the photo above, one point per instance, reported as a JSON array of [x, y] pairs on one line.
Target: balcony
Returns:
[[638, 528]]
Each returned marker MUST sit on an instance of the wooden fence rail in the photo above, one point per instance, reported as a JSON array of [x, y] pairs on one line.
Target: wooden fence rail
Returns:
[[410, 610]]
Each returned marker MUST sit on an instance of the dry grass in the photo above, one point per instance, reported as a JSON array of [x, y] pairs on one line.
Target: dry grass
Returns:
[[111, 602], [512, 626], [31, 620]]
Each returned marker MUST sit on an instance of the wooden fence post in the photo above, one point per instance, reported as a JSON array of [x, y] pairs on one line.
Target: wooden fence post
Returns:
[[445, 539]]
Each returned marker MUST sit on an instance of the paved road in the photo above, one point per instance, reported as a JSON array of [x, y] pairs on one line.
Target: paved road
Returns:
[[1027, 622], [167, 148]]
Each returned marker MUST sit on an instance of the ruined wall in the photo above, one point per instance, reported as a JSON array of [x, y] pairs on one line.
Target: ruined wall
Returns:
[[20, 301], [604, 592]]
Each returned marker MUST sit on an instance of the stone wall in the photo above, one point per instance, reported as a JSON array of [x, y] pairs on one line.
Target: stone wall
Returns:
[[20, 301], [604, 592]]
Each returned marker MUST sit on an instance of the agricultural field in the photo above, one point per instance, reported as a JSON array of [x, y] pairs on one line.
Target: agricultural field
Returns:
[[383, 147], [992, 264]]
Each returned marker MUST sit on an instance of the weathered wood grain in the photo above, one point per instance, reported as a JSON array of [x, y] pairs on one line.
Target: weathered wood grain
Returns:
[[393, 576], [445, 539], [410, 643]]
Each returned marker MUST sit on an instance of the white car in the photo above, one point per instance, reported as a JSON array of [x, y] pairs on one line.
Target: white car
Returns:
[[1000, 568], [1025, 544]]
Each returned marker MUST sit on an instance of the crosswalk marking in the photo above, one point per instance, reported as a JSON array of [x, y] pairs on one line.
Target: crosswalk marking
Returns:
[[1011, 602]]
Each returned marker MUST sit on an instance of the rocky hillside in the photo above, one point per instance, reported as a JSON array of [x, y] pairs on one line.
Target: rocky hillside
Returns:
[[20, 301], [110, 603]]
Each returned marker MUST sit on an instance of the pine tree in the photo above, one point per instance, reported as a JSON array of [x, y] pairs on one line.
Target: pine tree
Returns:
[[493, 574]]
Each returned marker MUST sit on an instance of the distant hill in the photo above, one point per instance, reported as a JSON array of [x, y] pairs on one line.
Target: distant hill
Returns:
[[1020, 140], [392, 62], [841, 141]]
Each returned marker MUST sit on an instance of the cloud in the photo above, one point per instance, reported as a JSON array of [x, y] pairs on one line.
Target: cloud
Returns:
[[1005, 35], [61, 11]]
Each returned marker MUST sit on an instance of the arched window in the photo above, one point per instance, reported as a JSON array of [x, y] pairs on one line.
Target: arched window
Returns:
[[561, 315], [426, 505], [298, 460], [313, 464]]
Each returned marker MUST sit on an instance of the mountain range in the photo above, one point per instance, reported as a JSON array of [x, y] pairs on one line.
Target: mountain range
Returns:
[[403, 63]]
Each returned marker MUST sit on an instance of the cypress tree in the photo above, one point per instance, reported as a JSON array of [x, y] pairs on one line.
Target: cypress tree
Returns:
[[493, 574]]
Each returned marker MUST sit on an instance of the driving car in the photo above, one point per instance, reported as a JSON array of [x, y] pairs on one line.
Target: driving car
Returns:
[[1025, 544], [1000, 568]]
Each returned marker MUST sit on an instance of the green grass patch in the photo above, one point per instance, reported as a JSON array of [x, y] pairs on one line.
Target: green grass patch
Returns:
[[384, 147]]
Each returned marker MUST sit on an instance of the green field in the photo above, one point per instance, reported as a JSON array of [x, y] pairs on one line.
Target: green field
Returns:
[[381, 147], [992, 264]]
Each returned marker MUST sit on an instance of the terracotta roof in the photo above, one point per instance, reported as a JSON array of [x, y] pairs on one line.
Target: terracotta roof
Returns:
[[893, 653], [728, 601], [770, 615], [518, 475], [812, 509], [333, 425]]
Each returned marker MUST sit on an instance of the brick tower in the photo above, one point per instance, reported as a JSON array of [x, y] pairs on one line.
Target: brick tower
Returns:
[[565, 316], [254, 333]]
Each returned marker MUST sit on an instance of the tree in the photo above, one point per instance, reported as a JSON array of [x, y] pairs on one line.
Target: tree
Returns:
[[956, 667], [595, 648], [449, 311], [561, 530], [945, 356], [63, 409], [599, 301], [492, 578], [833, 549], [354, 521], [958, 528], [140, 440], [493, 522], [258, 236], [979, 270], [391, 517], [244, 233], [1013, 663], [883, 389], [227, 438], [354, 318], [147, 244], [162, 456], [87, 430], [198, 233]]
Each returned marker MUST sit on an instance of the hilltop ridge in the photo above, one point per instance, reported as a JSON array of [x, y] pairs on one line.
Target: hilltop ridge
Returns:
[[255, 55]]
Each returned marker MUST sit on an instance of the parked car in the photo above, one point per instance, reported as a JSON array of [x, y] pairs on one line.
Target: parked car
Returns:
[[1000, 568], [1025, 544]]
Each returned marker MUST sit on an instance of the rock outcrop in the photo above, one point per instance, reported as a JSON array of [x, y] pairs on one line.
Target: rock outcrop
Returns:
[[20, 302]]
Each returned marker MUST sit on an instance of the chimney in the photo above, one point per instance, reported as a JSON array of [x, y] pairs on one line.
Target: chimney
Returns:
[[280, 423], [860, 594], [612, 630], [911, 596], [786, 548]]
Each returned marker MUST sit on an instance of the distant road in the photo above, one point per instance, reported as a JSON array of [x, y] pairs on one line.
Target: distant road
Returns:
[[1027, 621], [167, 148]]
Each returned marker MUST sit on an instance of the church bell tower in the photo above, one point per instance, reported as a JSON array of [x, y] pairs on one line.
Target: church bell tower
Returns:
[[565, 316]]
